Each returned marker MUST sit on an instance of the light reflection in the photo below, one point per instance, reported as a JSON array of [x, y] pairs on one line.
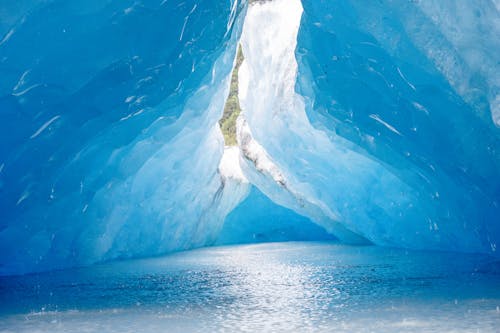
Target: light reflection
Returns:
[[285, 287], [286, 295]]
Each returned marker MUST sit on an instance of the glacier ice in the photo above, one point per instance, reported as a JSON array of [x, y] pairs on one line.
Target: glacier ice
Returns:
[[379, 122], [257, 219], [370, 126], [412, 86], [354, 132], [109, 144]]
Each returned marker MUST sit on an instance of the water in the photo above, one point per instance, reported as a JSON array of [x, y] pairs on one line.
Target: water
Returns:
[[296, 286]]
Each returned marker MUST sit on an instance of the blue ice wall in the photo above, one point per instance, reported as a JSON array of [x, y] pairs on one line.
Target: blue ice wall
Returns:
[[103, 106], [109, 145], [414, 86], [258, 219]]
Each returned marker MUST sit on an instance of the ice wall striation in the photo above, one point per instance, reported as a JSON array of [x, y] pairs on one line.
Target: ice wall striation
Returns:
[[381, 118], [414, 86], [109, 139], [369, 121]]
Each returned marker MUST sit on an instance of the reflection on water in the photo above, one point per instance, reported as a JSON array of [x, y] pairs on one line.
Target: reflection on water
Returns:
[[320, 287]]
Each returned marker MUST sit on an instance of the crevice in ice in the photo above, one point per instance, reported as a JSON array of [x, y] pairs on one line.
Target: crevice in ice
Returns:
[[256, 164], [247, 165], [232, 107]]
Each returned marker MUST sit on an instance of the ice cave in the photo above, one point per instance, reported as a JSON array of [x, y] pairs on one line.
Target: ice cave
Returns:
[[249, 166]]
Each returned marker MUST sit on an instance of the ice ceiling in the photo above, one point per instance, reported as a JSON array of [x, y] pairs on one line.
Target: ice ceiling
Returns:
[[362, 121]]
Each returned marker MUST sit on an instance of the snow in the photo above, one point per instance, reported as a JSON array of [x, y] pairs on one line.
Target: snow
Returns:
[[229, 166]]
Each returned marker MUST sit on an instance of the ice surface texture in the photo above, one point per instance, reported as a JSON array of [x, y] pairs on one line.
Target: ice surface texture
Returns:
[[378, 121], [414, 87], [395, 153], [109, 145]]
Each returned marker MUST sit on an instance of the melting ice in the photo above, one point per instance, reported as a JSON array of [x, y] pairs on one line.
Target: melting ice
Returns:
[[363, 123]]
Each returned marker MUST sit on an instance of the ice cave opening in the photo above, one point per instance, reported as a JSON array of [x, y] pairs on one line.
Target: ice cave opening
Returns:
[[253, 166]]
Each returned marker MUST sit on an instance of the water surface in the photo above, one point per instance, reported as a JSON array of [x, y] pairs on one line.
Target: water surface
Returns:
[[296, 286]]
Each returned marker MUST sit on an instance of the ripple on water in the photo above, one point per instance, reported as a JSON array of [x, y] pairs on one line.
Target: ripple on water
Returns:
[[268, 287]]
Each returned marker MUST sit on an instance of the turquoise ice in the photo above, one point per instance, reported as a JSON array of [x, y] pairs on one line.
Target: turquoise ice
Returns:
[[365, 122]]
